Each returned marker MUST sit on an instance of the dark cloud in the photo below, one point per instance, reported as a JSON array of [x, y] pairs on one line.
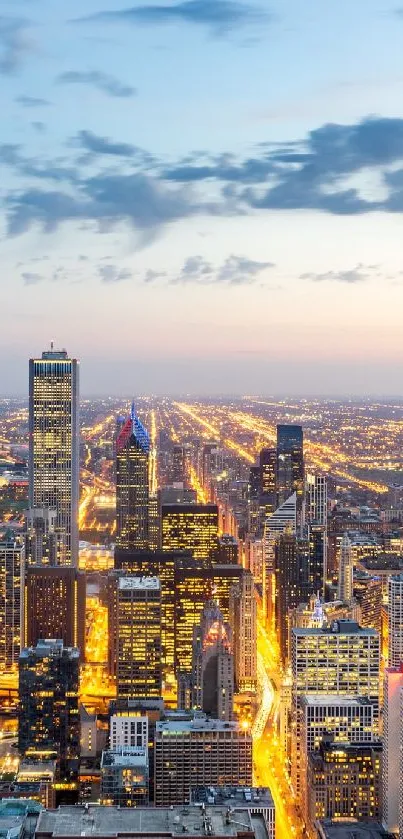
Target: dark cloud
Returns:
[[112, 274], [220, 16], [14, 43], [359, 274], [32, 102], [101, 81], [29, 278], [141, 201], [95, 144]]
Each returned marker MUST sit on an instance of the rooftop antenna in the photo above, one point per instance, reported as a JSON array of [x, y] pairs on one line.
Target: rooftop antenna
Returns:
[[51, 345]]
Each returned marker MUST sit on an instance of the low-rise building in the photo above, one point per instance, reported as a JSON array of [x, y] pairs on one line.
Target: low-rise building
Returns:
[[124, 776]]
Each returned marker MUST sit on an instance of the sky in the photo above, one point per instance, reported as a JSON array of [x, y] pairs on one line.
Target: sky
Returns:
[[203, 196]]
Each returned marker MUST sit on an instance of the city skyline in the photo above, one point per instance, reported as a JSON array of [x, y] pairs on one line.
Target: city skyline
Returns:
[[223, 169]]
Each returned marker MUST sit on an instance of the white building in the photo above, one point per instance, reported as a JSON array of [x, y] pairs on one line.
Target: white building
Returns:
[[128, 730], [395, 620], [315, 505]]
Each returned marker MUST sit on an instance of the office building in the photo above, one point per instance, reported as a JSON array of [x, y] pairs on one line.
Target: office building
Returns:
[[54, 604], [344, 782], [124, 776], [342, 659], [317, 566], [291, 568], [132, 485], [392, 739], [135, 636], [213, 665], [193, 588], [345, 592], [254, 483], [315, 503], [224, 577], [268, 472], [243, 620], [44, 542], [199, 752], [191, 527], [54, 447], [49, 719], [153, 523], [290, 463], [128, 729], [176, 494], [11, 589], [395, 620], [227, 550], [138, 822], [284, 518], [367, 593]]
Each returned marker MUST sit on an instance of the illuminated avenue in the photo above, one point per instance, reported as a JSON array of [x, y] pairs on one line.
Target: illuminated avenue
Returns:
[[359, 445]]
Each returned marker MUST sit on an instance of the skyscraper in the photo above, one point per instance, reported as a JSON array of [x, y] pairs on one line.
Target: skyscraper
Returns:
[[315, 498], [11, 589], [49, 719], [392, 738], [395, 620], [132, 485], [290, 463], [191, 527], [345, 570], [317, 568], [213, 664], [243, 617], [268, 472], [54, 604], [291, 567], [135, 636], [54, 447]]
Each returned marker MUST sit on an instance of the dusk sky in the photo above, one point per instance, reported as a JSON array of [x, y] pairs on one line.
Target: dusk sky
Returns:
[[204, 196]]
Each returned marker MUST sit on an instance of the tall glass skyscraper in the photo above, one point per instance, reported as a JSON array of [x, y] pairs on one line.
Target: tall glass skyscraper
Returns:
[[290, 463], [54, 448], [132, 485]]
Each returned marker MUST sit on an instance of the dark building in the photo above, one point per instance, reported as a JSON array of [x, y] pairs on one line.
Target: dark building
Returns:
[[254, 483], [132, 485], [55, 606], [190, 527], [49, 719], [368, 593], [291, 564], [317, 559], [290, 463], [227, 550]]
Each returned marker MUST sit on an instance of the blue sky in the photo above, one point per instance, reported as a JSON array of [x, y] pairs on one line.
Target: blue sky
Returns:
[[203, 196]]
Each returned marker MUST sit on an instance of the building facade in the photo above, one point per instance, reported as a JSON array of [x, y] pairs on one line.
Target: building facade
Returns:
[[132, 485], [54, 605], [11, 602]]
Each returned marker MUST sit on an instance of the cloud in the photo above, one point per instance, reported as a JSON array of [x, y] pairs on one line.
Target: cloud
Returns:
[[30, 278], [220, 16], [29, 167], [359, 274], [151, 276], [101, 81], [14, 43], [139, 200], [112, 274], [95, 144], [32, 102], [235, 271]]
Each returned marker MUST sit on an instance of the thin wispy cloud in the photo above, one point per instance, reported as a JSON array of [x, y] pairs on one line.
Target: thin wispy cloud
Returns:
[[32, 102], [15, 43], [103, 82]]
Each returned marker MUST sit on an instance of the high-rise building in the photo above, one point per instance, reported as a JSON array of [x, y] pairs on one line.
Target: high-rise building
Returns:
[[315, 503], [284, 518], [224, 578], [199, 752], [392, 737], [135, 636], [317, 567], [344, 782], [132, 485], [291, 568], [193, 588], [44, 541], [54, 604], [268, 474], [191, 527], [254, 483], [345, 591], [213, 665], [153, 523], [124, 776], [11, 599], [54, 448], [227, 550], [49, 719], [395, 620], [243, 617], [342, 659], [290, 463]]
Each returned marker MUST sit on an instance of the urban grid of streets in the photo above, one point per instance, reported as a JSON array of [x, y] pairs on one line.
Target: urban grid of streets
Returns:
[[358, 444]]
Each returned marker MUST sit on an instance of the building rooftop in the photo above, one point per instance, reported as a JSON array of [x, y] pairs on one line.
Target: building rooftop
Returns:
[[334, 699], [99, 821], [339, 627], [329, 829], [242, 797], [139, 583], [200, 722], [125, 756], [50, 646]]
